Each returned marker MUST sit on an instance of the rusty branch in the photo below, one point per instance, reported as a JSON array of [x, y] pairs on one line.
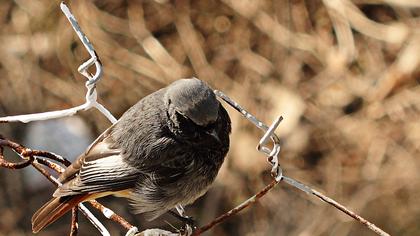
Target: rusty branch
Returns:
[[19, 149], [51, 156], [108, 213], [54, 166], [350, 213], [17, 165], [38, 159], [74, 228]]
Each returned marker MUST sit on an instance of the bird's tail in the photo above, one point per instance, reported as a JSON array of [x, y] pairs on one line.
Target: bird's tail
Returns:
[[54, 209]]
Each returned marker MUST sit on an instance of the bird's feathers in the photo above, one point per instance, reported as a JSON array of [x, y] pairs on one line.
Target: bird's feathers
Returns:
[[109, 173], [100, 169], [53, 210]]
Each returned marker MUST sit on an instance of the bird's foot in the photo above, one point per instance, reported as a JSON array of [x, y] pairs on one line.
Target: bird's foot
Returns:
[[187, 220]]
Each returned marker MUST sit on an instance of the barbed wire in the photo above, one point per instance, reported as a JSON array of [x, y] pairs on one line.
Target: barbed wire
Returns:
[[41, 159], [277, 173]]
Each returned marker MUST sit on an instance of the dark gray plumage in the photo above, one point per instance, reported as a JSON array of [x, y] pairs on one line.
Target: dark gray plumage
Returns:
[[165, 150]]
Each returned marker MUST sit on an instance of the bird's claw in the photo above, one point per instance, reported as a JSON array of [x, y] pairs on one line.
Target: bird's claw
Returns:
[[187, 220], [187, 229]]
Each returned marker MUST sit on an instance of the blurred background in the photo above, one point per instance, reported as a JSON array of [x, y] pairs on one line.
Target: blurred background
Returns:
[[344, 74]]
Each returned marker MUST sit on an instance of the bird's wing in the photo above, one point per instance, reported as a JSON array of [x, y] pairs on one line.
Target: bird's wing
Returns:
[[91, 152], [100, 169]]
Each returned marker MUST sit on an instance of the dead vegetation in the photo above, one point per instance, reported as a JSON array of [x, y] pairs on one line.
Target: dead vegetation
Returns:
[[344, 74]]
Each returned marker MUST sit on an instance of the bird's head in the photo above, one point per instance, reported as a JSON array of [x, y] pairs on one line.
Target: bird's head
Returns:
[[193, 99], [192, 106]]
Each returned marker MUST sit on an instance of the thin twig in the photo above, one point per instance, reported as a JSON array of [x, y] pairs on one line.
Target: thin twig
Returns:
[[237, 209], [334, 203], [108, 213]]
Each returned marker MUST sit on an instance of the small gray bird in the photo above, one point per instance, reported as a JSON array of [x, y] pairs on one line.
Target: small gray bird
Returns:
[[164, 151]]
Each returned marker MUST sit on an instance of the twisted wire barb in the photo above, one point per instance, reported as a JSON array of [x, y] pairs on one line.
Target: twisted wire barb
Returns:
[[94, 60], [91, 94], [272, 154]]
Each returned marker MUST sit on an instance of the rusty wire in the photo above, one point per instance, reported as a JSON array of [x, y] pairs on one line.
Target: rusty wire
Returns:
[[35, 158]]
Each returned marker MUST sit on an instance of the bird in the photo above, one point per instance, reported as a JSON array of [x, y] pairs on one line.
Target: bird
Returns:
[[164, 152]]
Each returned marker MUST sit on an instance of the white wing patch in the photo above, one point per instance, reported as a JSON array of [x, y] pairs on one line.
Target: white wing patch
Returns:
[[105, 169]]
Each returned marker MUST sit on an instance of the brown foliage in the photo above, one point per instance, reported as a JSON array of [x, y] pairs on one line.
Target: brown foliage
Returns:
[[343, 74]]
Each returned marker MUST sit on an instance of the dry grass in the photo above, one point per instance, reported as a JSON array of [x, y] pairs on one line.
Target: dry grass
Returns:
[[343, 73]]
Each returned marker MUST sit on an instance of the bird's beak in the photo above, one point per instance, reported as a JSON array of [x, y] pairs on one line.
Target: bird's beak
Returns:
[[213, 133]]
